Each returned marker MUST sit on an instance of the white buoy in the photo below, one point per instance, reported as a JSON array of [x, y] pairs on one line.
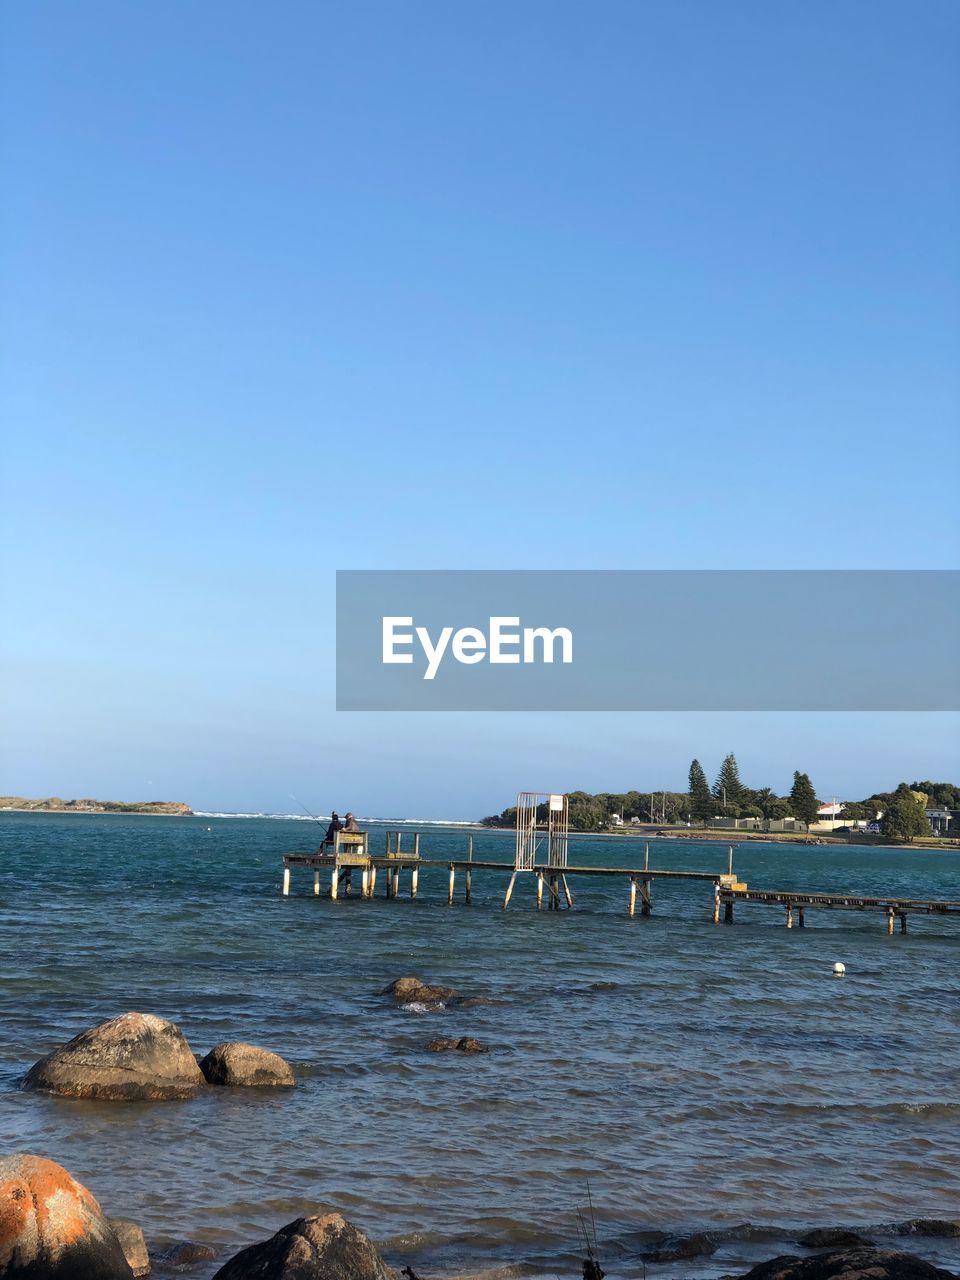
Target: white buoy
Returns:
[[839, 969]]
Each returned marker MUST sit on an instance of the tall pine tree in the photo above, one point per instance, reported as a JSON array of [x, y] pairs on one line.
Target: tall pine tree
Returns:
[[728, 789], [702, 804], [803, 799]]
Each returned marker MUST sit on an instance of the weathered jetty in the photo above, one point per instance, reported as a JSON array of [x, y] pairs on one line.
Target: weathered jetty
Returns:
[[551, 882], [797, 904], [541, 852]]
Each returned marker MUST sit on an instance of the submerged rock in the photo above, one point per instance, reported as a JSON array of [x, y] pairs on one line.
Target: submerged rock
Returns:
[[676, 1248], [187, 1253], [51, 1227], [132, 1243], [929, 1227], [850, 1264], [318, 1248], [233, 1063], [834, 1238], [413, 991], [133, 1057], [466, 1044]]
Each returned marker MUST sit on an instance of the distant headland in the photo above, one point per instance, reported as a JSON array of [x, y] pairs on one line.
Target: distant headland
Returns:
[[53, 804]]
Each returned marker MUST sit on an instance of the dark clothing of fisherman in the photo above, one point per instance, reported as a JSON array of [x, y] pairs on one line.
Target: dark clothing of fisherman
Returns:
[[335, 826], [350, 824]]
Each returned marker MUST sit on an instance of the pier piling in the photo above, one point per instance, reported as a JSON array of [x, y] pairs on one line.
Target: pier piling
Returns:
[[646, 903], [509, 893]]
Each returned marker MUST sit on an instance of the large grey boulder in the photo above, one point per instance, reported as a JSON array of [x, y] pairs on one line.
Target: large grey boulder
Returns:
[[51, 1227], [234, 1063], [136, 1056], [317, 1248], [850, 1264]]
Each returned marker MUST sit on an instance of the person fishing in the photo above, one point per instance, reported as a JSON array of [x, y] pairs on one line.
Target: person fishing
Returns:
[[350, 824], [336, 825]]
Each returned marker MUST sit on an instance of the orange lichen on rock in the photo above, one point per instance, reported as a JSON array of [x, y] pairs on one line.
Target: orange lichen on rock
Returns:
[[50, 1225]]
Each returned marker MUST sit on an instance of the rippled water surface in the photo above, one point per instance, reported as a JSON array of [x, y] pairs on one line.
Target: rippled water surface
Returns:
[[698, 1077]]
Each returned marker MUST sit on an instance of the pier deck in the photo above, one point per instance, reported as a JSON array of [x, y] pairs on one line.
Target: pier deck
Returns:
[[553, 882], [791, 900]]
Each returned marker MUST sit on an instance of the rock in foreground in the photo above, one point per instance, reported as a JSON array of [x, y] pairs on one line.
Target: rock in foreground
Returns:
[[834, 1238], [930, 1227], [187, 1254], [133, 1057], [319, 1248], [466, 1044], [413, 991], [680, 1248], [132, 1243], [850, 1264], [51, 1227], [233, 1063]]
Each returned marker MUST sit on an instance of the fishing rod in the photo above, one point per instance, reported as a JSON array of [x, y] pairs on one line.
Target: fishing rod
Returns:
[[305, 809]]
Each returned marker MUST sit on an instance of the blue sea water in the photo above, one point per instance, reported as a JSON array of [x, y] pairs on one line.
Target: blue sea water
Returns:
[[696, 1077]]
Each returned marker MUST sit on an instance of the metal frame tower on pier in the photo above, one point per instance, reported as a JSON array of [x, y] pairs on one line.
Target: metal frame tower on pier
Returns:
[[534, 829]]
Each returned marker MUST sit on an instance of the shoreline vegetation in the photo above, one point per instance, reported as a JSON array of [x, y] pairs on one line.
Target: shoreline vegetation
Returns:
[[505, 822], [912, 813], [53, 804]]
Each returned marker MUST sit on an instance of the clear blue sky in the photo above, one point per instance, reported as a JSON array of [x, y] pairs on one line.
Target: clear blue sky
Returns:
[[296, 287]]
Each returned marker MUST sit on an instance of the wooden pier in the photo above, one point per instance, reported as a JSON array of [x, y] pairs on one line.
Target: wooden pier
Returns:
[[351, 853], [351, 857], [795, 904]]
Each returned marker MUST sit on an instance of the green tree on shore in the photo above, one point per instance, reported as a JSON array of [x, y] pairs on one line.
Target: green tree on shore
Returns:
[[803, 798], [702, 805], [905, 818], [728, 789], [777, 809], [940, 795]]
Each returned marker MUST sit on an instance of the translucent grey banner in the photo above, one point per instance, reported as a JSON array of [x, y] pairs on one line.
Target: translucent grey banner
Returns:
[[648, 640]]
